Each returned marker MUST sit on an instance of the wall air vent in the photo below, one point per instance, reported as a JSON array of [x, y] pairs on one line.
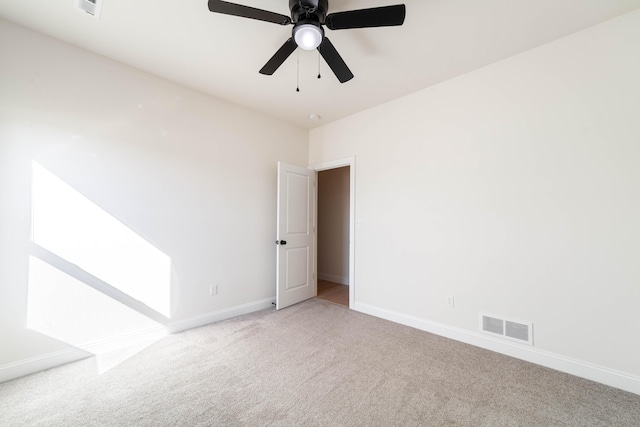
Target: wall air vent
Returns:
[[511, 329], [91, 7]]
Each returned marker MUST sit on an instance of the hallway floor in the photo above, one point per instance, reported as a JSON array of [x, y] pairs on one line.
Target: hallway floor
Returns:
[[333, 292]]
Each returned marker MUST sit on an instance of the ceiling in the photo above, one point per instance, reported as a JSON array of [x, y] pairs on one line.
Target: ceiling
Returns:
[[220, 55]]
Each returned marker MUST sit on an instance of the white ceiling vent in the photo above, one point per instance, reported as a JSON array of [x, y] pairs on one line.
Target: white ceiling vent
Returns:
[[514, 330], [91, 7]]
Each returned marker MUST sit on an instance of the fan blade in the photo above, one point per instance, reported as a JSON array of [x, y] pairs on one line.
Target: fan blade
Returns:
[[227, 8], [386, 16], [280, 56], [334, 60]]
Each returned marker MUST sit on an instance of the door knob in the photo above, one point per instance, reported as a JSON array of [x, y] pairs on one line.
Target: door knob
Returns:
[[281, 242]]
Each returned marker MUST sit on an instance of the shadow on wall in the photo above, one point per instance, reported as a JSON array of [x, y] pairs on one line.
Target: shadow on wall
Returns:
[[93, 283]]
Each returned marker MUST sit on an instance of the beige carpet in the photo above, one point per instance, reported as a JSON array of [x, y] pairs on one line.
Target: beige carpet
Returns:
[[315, 363]]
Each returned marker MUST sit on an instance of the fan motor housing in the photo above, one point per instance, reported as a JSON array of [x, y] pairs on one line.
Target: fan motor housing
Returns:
[[308, 11]]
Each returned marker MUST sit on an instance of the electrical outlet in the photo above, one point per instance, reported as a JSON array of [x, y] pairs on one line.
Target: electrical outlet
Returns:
[[448, 300], [213, 290]]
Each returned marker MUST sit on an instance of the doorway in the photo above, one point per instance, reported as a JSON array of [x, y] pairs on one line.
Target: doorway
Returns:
[[334, 234]]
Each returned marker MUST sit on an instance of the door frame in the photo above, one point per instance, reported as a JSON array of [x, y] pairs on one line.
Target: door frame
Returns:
[[335, 164]]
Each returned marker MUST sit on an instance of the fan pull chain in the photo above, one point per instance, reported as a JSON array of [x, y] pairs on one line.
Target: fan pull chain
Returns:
[[298, 72], [319, 76]]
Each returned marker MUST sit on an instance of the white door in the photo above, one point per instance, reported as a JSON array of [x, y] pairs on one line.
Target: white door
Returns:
[[295, 260]]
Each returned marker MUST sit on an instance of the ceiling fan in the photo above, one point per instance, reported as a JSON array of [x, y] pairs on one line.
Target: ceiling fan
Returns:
[[308, 17]]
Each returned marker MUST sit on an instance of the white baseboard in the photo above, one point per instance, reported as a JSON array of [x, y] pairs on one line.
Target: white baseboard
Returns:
[[125, 340], [333, 278], [32, 365], [610, 377], [217, 316]]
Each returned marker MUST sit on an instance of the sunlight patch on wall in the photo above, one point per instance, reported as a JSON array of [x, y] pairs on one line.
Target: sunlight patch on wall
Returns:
[[66, 309], [70, 311], [73, 227]]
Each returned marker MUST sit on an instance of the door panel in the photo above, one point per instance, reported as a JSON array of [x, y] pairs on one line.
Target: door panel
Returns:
[[295, 269], [298, 194], [298, 267]]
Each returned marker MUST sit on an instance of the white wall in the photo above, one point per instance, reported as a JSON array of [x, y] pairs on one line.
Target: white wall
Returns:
[[193, 175], [333, 225], [514, 188]]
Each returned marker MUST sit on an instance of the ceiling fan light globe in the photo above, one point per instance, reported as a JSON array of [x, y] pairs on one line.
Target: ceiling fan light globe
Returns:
[[307, 36]]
